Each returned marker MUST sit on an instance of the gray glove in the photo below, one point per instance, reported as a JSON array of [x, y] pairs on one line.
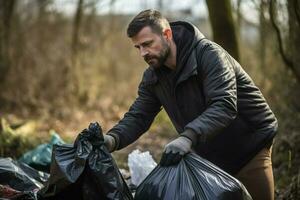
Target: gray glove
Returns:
[[175, 150], [109, 142]]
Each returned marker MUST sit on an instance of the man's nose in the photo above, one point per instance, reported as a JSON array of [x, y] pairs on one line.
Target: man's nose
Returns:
[[143, 52]]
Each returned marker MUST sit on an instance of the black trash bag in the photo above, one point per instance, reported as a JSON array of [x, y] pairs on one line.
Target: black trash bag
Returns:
[[85, 170], [194, 178], [20, 180], [8, 193]]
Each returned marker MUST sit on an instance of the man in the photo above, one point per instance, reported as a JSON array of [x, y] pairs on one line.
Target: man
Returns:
[[212, 102]]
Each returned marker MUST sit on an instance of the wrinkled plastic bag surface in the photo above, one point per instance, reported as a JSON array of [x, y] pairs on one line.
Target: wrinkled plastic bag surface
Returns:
[[194, 178], [7, 193], [85, 170], [40, 157], [140, 165], [19, 181]]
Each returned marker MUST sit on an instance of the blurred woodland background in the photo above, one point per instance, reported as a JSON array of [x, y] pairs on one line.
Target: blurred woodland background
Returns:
[[66, 63]]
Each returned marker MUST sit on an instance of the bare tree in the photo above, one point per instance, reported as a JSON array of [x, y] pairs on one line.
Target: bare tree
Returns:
[[239, 14], [72, 72], [294, 35], [6, 13], [160, 5], [263, 35], [220, 15], [76, 26], [291, 57]]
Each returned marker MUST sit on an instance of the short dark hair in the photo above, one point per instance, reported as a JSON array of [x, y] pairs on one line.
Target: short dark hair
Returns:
[[151, 18]]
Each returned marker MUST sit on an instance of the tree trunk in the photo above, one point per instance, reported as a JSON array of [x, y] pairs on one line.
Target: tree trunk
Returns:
[[221, 20], [160, 5], [76, 26], [73, 70], [239, 15], [290, 57], [263, 34], [294, 35], [6, 12]]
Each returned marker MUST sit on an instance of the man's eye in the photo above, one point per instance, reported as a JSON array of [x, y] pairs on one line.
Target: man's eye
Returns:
[[147, 44]]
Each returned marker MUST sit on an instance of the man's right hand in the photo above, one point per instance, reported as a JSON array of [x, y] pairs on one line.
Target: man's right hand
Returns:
[[109, 142]]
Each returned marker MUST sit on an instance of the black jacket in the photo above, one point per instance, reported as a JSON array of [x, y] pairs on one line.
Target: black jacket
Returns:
[[209, 93]]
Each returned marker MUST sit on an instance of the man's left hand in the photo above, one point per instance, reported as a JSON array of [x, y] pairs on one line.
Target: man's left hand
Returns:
[[175, 150]]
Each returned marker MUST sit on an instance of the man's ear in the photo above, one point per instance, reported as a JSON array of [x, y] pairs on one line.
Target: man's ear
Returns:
[[168, 33]]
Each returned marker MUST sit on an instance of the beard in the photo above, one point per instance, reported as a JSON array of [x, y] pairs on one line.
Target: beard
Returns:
[[157, 61]]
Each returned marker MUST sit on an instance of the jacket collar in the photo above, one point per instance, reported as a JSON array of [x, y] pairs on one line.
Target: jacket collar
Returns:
[[189, 69]]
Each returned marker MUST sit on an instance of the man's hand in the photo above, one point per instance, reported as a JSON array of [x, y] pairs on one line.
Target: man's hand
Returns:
[[175, 150], [109, 142]]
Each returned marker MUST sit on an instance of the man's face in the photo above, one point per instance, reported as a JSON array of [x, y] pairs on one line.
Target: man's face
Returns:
[[154, 48]]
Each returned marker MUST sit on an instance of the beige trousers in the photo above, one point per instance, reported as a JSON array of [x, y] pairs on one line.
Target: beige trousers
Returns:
[[257, 176]]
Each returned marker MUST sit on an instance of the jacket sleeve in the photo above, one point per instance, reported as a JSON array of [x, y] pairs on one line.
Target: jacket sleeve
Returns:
[[138, 119], [220, 92]]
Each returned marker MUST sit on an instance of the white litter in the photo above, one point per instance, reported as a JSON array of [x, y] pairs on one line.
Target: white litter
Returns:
[[140, 165]]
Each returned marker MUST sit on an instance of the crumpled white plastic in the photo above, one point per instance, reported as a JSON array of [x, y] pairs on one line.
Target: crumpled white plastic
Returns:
[[140, 165]]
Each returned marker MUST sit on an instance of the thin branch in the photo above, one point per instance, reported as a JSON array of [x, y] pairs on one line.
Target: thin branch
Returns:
[[288, 62]]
